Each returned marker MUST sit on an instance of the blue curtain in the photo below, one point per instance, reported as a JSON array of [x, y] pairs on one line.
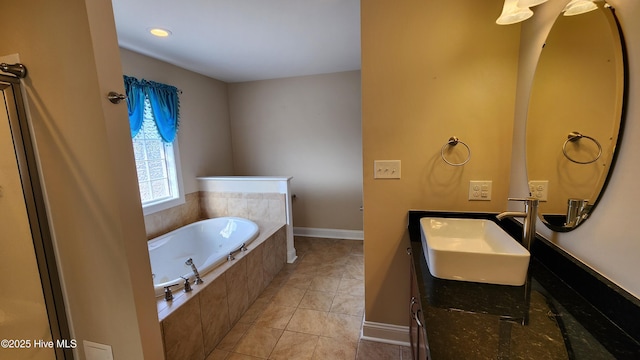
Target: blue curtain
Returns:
[[135, 103], [165, 106]]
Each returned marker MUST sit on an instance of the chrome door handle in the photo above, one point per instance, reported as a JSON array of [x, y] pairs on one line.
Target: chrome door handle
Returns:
[[416, 317]]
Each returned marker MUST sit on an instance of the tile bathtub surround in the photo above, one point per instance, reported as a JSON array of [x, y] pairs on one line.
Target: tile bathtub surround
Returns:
[[253, 206], [268, 207], [181, 333], [164, 221], [194, 323], [312, 309]]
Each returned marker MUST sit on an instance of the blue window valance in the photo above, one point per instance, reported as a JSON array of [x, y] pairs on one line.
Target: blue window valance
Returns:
[[164, 101]]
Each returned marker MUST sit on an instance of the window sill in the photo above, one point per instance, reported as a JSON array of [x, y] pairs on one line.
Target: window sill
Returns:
[[162, 205]]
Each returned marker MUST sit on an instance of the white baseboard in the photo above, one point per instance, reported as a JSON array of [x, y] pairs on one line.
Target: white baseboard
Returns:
[[385, 333], [291, 256], [329, 233]]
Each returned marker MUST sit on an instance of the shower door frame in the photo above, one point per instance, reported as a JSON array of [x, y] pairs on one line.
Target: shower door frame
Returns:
[[36, 210]]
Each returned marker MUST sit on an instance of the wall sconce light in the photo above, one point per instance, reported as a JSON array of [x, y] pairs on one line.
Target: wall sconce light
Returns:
[[515, 11], [512, 13], [577, 7], [530, 3]]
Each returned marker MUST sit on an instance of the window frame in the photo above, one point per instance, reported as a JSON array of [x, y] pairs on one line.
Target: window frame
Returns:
[[159, 205], [172, 155]]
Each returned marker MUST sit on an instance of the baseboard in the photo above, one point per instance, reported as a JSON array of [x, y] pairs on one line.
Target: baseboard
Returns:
[[329, 233], [385, 333], [291, 256]]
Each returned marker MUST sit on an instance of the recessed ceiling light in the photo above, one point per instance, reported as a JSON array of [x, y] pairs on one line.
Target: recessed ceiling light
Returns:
[[160, 32]]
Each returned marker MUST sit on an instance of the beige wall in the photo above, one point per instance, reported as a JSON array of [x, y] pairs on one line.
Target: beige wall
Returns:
[[430, 70], [309, 128], [204, 135], [606, 242], [316, 137], [88, 170]]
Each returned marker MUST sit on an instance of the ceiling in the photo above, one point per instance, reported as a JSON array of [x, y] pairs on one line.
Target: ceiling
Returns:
[[245, 40]]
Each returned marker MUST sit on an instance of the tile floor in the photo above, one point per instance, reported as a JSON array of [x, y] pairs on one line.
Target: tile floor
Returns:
[[313, 309]]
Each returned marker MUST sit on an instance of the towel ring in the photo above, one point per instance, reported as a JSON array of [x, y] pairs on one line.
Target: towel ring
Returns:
[[575, 136], [453, 141]]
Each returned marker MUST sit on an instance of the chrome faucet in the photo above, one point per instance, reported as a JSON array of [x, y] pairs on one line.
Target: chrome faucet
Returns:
[[187, 285], [529, 215], [168, 295], [577, 210], [189, 262]]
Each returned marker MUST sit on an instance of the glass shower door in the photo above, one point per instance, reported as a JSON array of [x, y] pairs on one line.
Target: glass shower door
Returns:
[[29, 321]]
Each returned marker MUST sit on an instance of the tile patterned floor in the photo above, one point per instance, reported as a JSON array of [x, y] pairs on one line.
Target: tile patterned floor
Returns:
[[312, 310]]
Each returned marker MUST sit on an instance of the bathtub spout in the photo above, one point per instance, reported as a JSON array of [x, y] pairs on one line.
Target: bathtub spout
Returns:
[[189, 262]]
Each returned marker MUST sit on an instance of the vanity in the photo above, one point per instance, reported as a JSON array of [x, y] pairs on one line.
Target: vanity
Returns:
[[468, 306], [577, 315]]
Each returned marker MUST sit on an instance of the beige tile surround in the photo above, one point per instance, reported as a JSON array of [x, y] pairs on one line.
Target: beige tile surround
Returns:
[[252, 206], [194, 323], [164, 221], [201, 205]]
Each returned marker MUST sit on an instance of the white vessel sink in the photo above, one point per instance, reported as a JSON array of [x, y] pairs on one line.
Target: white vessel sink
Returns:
[[473, 250]]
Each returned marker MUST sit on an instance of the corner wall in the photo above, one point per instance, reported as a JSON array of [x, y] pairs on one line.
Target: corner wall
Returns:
[[88, 174], [430, 70], [307, 127]]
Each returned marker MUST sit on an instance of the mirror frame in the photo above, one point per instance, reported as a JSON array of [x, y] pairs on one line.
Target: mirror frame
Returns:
[[623, 115]]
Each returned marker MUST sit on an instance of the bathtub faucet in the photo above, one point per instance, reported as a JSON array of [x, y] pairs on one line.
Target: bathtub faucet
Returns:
[[168, 295], [242, 247], [189, 262], [187, 285]]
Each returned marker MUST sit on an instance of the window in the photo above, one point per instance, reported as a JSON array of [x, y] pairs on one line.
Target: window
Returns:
[[157, 165]]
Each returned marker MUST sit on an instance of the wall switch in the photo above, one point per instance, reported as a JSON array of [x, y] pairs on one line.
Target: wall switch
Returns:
[[539, 189], [480, 190], [386, 169]]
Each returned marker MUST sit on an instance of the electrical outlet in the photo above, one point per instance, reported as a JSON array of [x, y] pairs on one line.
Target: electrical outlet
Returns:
[[386, 169], [480, 190], [539, 189]]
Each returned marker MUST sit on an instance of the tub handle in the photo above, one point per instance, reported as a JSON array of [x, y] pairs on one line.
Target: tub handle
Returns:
[[187, 285], [168, 295], [242, 247]]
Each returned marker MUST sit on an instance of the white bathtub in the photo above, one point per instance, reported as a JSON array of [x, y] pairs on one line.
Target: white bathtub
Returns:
[[207, 242]]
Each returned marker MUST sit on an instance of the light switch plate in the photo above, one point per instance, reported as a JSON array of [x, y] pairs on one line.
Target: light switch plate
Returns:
[[386, 169], [96, 351], [480, 190], [539, 189]]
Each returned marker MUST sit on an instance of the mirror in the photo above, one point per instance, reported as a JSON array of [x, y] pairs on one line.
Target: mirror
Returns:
[[575, 116]]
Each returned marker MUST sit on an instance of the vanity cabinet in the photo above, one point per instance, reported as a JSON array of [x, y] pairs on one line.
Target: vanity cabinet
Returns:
[[417, 332], [546, 318]]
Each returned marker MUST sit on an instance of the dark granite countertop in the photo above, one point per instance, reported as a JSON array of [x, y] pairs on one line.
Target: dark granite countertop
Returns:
[[543, 319]]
